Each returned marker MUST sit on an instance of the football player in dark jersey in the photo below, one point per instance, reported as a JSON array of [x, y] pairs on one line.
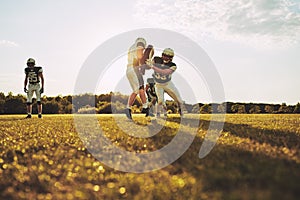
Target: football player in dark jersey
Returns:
[[162, 76], [152, 97], [33, 75]]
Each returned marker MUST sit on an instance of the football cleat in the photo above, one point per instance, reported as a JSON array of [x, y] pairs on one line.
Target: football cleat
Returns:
[[28, 116], [40, 115], [146, 111], [128, 113]]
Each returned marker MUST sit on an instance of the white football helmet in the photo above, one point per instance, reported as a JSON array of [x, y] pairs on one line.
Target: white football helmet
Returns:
[[140, 40]]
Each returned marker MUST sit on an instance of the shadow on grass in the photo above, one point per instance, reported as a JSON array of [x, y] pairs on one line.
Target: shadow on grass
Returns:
[[229, 171], [272, 137], [236, 173], [240, 174], [12, 119]]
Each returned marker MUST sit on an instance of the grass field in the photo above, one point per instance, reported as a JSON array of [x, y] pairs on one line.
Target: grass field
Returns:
[[256, 157]]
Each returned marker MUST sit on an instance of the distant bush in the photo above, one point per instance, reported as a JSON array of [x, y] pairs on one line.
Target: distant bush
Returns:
[[116, 103], [87, 110]]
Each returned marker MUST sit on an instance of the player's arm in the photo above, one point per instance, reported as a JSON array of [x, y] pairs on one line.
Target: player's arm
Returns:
[[163, 71], [26, 81], [140, 52], [42, 78]]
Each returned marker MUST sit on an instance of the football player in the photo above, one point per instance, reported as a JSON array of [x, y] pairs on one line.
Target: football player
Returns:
[[162, 76], [152, 97], [33, 75], [135, 78]]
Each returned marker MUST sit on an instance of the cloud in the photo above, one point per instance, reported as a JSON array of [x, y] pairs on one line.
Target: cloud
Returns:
[[8, 43], [254, 22]]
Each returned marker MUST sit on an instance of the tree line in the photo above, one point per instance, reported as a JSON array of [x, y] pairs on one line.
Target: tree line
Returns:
[[116, 103]]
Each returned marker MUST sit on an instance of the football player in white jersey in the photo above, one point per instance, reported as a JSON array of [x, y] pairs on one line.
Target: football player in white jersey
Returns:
[[134, 76], [162, 76], [33, 75]]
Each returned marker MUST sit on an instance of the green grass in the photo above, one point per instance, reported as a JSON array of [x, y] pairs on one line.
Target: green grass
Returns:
[[256, 157]]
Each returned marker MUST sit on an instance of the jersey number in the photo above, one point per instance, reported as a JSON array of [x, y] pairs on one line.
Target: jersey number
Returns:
[[160, 77], [32, 77]]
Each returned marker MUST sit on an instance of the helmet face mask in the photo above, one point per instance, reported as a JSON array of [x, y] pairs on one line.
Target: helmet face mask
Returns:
[[166, 59], [167, 55]]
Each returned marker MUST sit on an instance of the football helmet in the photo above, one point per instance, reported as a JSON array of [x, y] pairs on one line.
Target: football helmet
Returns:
[[31, 60], [168, 52], [140, 40]]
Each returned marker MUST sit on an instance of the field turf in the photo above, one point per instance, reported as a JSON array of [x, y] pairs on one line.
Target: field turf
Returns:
[[256, 157]]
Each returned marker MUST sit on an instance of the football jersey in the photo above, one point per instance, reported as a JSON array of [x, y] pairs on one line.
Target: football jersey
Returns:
[[33, 74], [164, 78]]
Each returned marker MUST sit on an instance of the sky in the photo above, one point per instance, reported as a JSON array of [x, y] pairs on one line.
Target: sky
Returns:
[[253, 44]]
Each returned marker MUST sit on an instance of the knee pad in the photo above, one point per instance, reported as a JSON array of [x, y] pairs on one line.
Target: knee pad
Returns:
[[39, 103], [28, 103]]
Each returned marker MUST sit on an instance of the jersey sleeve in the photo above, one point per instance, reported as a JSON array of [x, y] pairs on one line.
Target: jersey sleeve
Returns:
[[40, 70], [173, 67]]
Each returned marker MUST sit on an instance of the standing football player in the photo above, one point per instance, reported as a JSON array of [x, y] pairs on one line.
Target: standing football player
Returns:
[[135, 78], [33, 75], [162, 76]]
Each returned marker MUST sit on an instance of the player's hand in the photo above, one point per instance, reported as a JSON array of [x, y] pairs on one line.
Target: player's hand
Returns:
[[41, 90], [149, 62], [25, 90]]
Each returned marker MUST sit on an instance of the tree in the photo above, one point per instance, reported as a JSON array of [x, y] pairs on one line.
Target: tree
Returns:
[[2, 96], [297, 108], [228, 106], [83, 100], [2, 102], [51, 107], [65, 106], [14, 104], [205, 109], [269, 109], [104, 107], [254, 109], [222, 108], [284, 109], [214, 107], [196, 108], [2, 106], [237, 108]]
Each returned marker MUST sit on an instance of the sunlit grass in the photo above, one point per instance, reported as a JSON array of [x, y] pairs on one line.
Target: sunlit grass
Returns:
[[256, 157]]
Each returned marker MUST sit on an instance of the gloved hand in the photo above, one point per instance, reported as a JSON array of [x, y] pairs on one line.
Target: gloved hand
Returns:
[[41, 90], [149, 62], [25, 90]]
